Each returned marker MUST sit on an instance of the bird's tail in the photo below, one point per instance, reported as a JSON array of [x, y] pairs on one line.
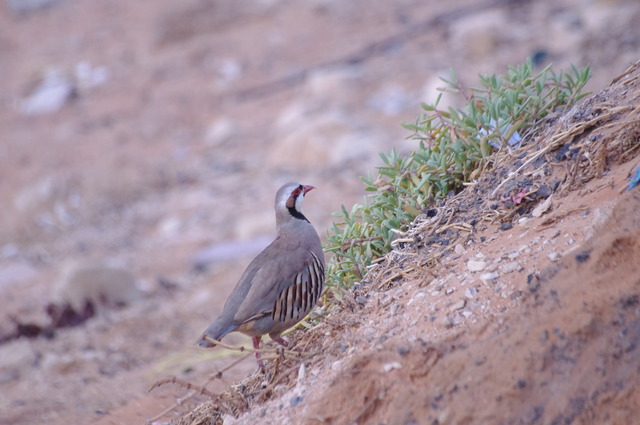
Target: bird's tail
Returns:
[[217, 331]]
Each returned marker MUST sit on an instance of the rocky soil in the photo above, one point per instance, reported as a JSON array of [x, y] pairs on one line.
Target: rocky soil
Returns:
[[147, 143]]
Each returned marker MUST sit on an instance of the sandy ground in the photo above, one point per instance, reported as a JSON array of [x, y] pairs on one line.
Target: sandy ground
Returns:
[[176, 125]]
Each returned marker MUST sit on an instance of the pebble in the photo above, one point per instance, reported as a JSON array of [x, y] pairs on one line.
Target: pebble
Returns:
[[488, 277], [506, 226], [510, 267], [476, 266], [449, 291], [403, 350], [52, 93], [470, 292], [458, 305], [388, 367], [553, 256], [459, 249], [302, 372]]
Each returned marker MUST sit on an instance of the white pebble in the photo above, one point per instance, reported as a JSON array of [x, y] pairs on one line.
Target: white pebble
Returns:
[[476, 266], [302, 372], [487, 277], [510, 267], [470, 293], [388, 367]]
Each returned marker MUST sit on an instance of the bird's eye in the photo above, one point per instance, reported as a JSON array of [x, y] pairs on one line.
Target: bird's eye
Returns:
[[295, 192]]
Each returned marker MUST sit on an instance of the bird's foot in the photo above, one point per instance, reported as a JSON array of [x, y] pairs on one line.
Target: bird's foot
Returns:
[[279, 340]]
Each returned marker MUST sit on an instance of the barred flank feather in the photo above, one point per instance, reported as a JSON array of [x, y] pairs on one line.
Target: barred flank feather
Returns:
[[297, 300]]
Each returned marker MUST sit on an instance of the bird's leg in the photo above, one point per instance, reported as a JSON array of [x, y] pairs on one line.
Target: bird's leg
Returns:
[[256, 345], [277, 338]]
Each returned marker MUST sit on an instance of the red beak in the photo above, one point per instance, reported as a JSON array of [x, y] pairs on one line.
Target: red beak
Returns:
[[307, 189]]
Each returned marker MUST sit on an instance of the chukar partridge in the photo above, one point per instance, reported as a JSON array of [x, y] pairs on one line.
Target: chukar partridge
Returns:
[[282, 284]]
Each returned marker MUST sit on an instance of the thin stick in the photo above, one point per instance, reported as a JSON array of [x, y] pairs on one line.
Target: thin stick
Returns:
[[243, 349]]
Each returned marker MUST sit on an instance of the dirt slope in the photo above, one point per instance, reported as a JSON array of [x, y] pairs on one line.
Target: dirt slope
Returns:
[[546, 331], [569, 354], [176, 124]]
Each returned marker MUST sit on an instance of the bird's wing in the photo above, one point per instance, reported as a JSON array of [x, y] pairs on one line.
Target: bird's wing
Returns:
[[276, 271]]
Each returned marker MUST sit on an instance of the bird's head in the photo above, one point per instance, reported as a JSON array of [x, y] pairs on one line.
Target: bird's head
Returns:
[[289, 200]]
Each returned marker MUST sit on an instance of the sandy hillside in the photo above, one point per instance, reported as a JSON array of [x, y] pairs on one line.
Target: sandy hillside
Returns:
[[143, 144]]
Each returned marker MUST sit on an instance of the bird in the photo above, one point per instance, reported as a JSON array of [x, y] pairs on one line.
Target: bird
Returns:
[[282, 284]]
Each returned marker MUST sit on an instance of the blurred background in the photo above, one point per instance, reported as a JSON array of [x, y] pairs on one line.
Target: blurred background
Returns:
[[142, 143]]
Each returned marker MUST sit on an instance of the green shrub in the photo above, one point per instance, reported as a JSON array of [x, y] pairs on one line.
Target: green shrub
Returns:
[[454, 146]]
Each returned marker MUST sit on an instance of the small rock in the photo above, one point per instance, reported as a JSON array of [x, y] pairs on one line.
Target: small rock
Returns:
[[449, 291], [458, 305], [388, 367], [302, 372], [553, 256], [88, 76], [296, 400], [470, 292], [476, 266], [506, 226], [542, 208], [52, 93], [510, 267], [403, 350], [581, 257], [488, 277], [459, 249]]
